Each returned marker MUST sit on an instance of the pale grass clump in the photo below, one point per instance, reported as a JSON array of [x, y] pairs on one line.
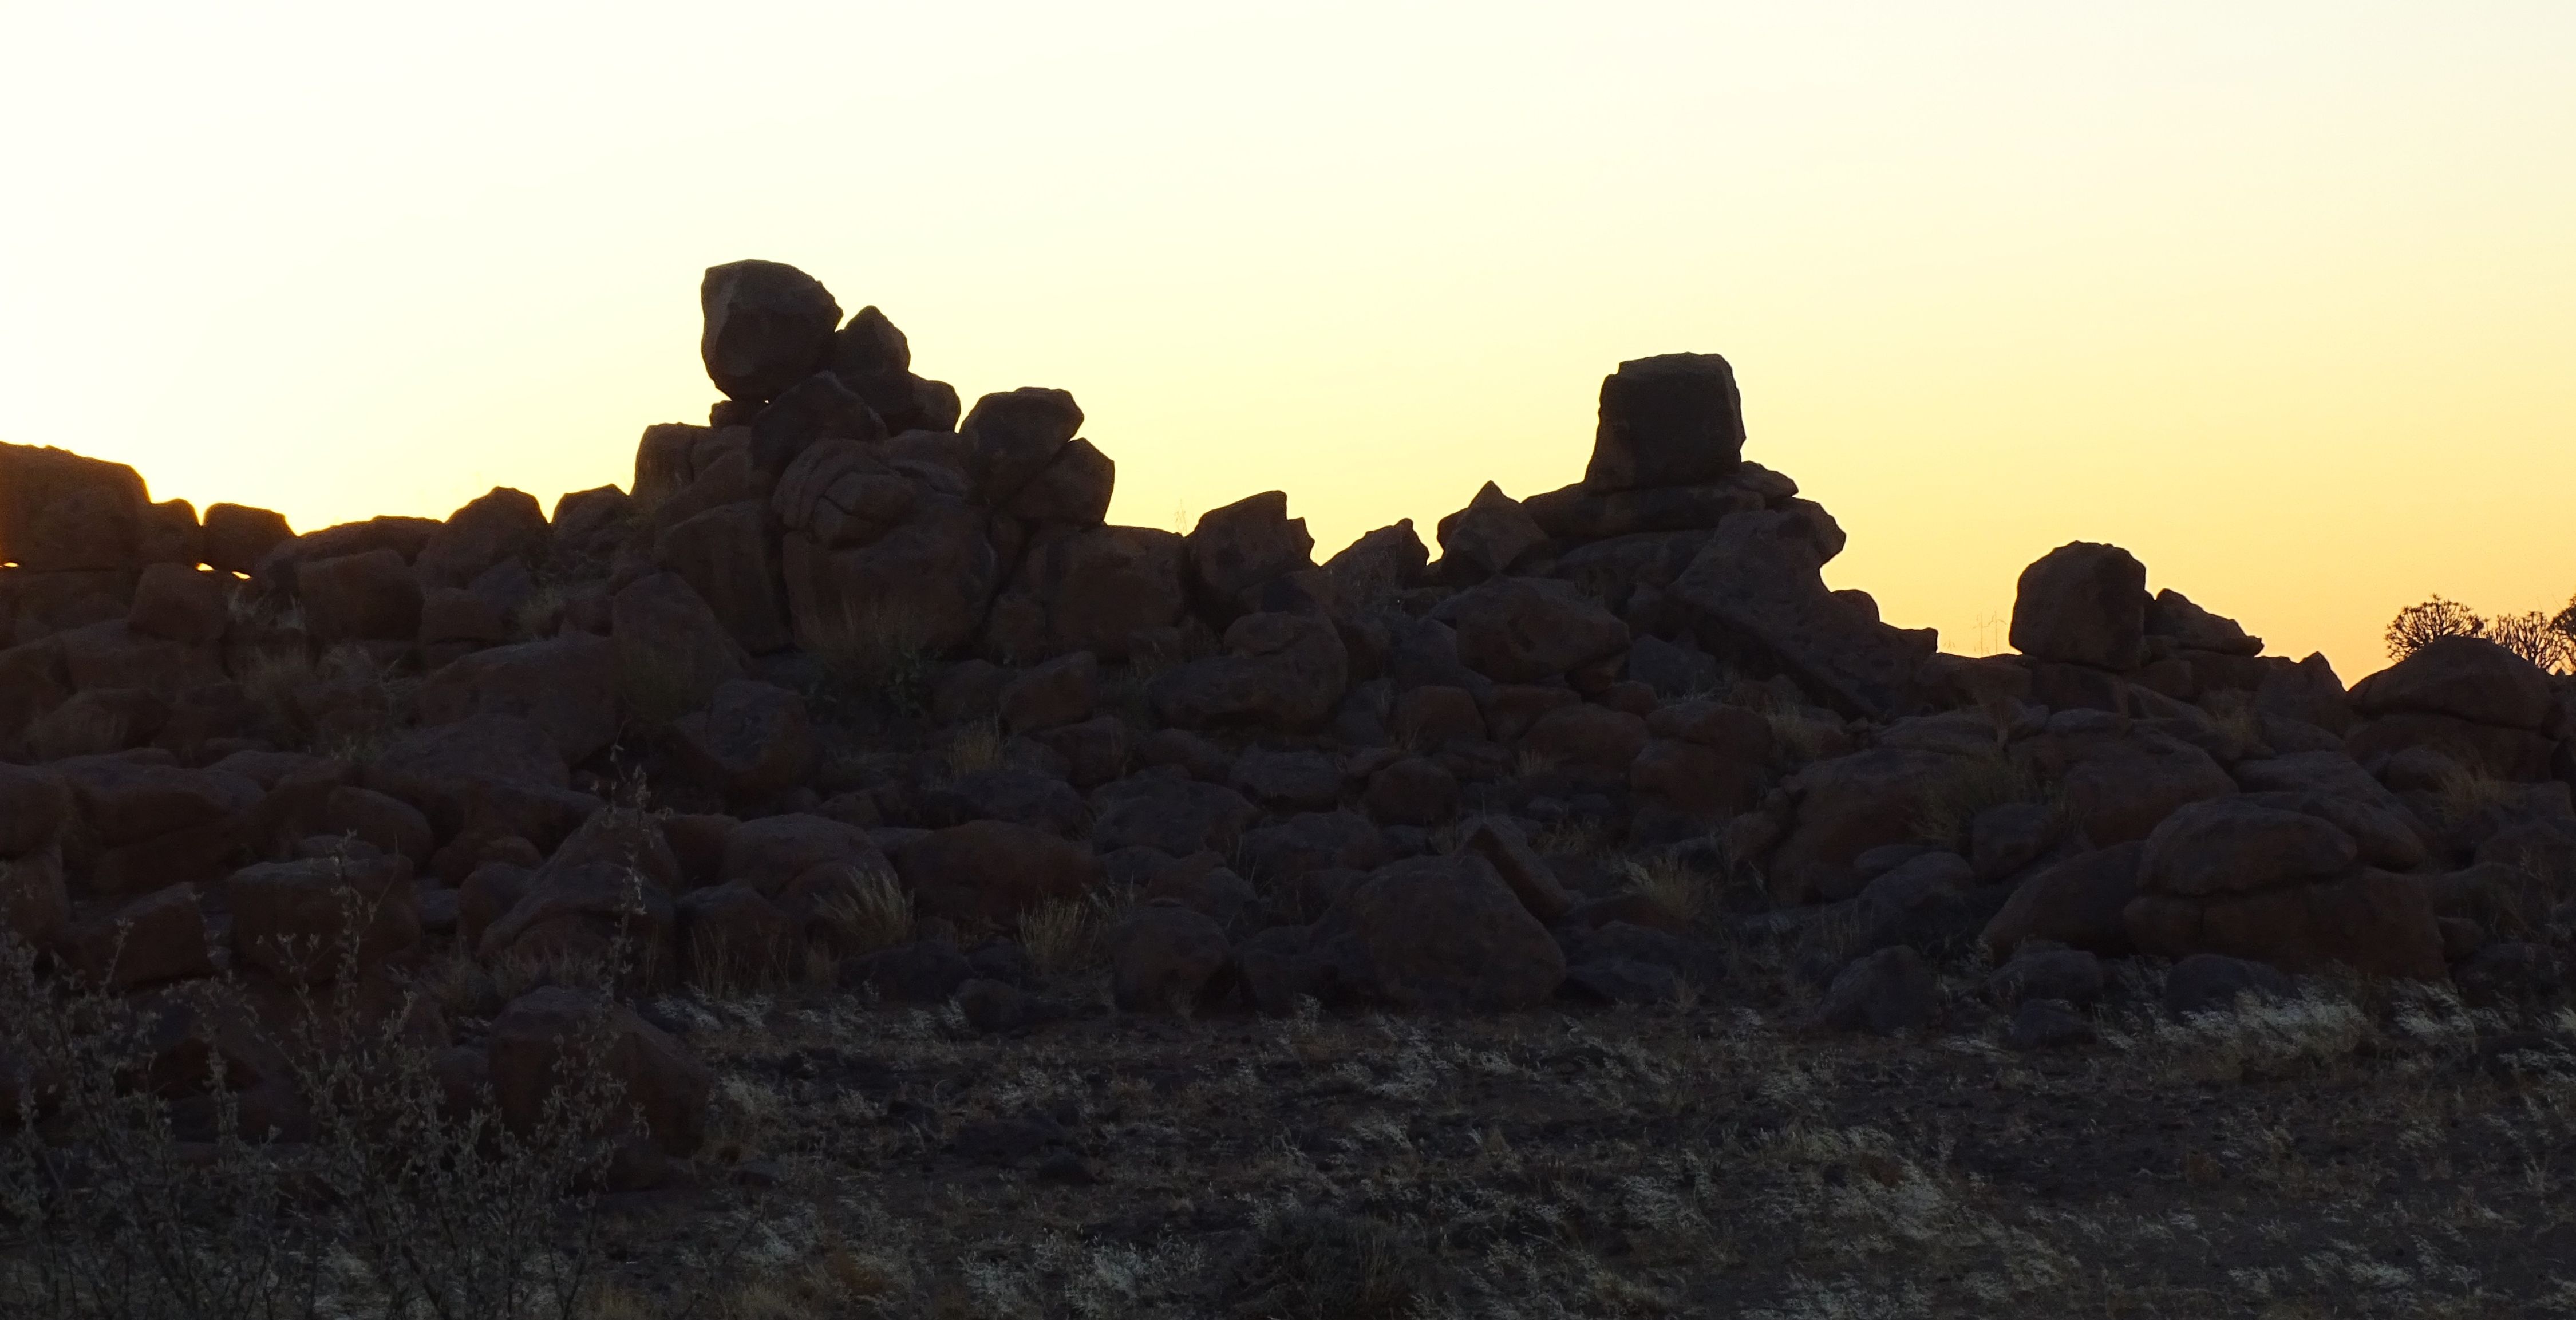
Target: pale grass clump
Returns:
[[2263, 1038], [2464, 791], [2234, 714], [1800, 737], [881, 650], [1060, 935], [1677, 889], [1988, 779], [875, 913], [540, 615], [974, 747]]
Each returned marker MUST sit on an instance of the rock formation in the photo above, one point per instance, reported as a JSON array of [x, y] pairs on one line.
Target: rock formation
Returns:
[[840, 640]]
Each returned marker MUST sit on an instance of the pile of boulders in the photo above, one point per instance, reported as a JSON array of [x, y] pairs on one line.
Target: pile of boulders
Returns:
[[843, 640]]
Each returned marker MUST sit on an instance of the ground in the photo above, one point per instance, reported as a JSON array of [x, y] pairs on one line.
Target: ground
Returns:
[[2368, 1150]]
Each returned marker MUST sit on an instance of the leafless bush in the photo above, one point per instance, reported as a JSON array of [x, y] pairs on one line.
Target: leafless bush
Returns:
[[398, 1201]]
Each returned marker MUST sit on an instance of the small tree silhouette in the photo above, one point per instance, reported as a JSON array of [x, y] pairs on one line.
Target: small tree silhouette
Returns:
[[2535, 637], [2435, 619]]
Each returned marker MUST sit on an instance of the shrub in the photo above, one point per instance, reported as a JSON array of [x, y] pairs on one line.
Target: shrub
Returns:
[[130, 1187]]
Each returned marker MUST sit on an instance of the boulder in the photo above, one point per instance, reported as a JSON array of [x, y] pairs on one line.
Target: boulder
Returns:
[[566, 686], [753, 740], [1581, 512], [1012, 438], [673, 652], [1242, 546], [1673, 420], [2118, 783], [725, 554], [496, 774], [1164, 957], [1073, 491], [1413, 791], [2083, 603], [158, 937], [768, 326], [1505, 848], [817, 408], [502, 525], [1524, 629], [1022, 797], [923, 584], [60, 511], [1287, 780], [2230, 845], [1700, 781], [1492, 535], [1589, 740], [2373, 922], [311, 920], [2188, 627], [362, 597], [1442, 933], [1177, 815], [1886, 992], [1756, 598], [180, 604], [1092, 590], [2215, 983], [1372, 569], [2388, 832], [659, 1083], [238, 536], [2072, 975], [1286, 853], [731, 938], [1061, 691], [1434, 715], [767, 854], [1280, 671], [35, 807], [1845, 807], [2465, 678], [35, 905], [2047, 1024], [989, 873], [148, 826]]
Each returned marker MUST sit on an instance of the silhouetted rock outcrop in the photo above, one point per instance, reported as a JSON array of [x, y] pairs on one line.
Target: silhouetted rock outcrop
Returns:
[[859, 659]]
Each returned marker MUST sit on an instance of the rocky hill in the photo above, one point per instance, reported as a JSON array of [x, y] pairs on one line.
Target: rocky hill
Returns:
[[850, 691]]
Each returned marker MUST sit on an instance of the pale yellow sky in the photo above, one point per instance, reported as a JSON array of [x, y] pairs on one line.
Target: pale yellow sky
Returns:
[[2281, 296]]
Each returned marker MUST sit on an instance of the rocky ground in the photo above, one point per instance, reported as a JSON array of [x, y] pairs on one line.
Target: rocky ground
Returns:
[[979, 909]]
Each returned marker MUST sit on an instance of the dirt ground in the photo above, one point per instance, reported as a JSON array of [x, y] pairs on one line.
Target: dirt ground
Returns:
[[2367, 1150]]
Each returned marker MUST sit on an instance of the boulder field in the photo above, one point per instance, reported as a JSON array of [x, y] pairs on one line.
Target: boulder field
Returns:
[[849, 642]]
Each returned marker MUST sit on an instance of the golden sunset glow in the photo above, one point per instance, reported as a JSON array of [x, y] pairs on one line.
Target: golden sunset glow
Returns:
[[2280, 296]]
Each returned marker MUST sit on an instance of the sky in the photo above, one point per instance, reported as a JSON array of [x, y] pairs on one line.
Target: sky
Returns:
[[2281, 296]]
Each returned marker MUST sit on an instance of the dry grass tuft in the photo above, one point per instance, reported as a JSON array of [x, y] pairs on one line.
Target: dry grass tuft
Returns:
[[874, 914], [1675, 888], [974, 747], [877, 652], [1975, 784], [2464, 791], [1061, 935]]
